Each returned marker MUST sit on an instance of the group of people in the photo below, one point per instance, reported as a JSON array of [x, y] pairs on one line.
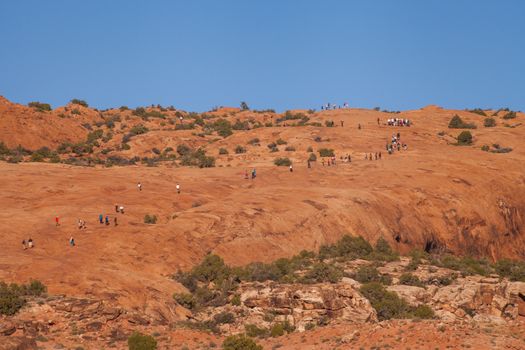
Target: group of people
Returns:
[[331, 106], [27, 244], [253, 174], [398, 122], [330, 161], [396, 144], [376, 156]]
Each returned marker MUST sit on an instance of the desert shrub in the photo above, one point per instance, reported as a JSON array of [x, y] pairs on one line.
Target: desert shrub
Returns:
[[123, 108], [224, 317], [239, 149], [309, 149], [348, 247], [223, 127], [139, 341], [318, 139], [485, 148], [289, 148], [183, 150], [289, 115], [185, 300], [41, 107], [312, 157], [76, 101], [489, 122], [387, 304], [125, 147], [150, 219], [282, 162], [323, 272], [35, 157], [257, 332], [329, 123], [75, 111], [326, 152], [366, 274], [499, 149], [254, 141], [383, 251], [457, 123], [185, 126], [478, 111], [273, 147], [268, 124], [4, 150], [155, 150], [15, 159], [240, 342], [138, 129], [465, 138], [236, 300], [514, 270], [410, 280], [94, 135], [196, 158], [281, 142], [509, 115], [423, 312], [223, 150], [12, 295], [465, 265], [238, 125]]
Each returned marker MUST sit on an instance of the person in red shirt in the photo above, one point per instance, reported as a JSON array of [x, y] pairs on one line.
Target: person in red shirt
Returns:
[[57, 221]]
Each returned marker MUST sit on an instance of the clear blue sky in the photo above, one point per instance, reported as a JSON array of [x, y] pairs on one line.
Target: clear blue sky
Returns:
[[279, 54]]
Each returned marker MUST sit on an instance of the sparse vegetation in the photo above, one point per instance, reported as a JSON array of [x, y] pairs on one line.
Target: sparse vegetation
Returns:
[[326, 152], [489, 122], [150, 219], [13, 296], [223, 150], [139, 341], [76, 101], [465, 138], [457, 123], [41, 107], [509, 115], [240, 342], [240, 149]]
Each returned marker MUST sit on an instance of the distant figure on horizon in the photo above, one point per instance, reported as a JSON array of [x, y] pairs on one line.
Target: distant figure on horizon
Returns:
[[291, 168], [107, 219], [101, 218], [71, 241], [139, 186], [30, 243], [57, 223], [254, 173], [178, 188], [342, 122]]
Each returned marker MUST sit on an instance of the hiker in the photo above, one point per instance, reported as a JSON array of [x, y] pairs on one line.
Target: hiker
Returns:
[[359, 126], [246, 174], [342, 122], [57, 223], [328, 161], [349, 159], [178, 188], [121, 209], [71, 241], [366, 156], [254, 173], [30, 243], [378, 121], [291, 168], [322, 161], [79, 224], [139, 186], [370, 156], [115, 221], [379, 155], [116, 208], [308, 163], [107, 219], [24, 244], [101, 218], [375, 156]]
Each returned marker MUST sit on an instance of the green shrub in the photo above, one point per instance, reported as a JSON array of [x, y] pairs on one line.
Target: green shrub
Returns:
[[309, 149], [223, 151], [79, 102], [257, 332], [282, 162], [35, 157], [281, 142], [41, 107], [75, 111], [478, 111], [223, 127], [485, 148], [323, 272], [139, 341], [125, 147], [423, 312], [236, 300], [457, 123], [409, 279], [326, 152], [240, 342], [465, 138], [489, 122], [347, 247], [12, 295], [387, 304], [509, 115], [289, 148], [366, 274], [312, 157], [150, 219], [138, 129], [383, 251], [185, 300], [514, 270], [239, 149], [329, 123]]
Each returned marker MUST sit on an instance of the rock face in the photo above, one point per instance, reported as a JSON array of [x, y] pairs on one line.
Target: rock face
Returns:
[[300, 305]]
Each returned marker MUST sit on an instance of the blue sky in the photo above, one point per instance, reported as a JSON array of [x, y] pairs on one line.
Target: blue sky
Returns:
[[279, 54]]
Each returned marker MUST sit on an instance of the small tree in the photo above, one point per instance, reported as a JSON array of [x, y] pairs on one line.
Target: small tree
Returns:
[[465, 138], [76, 101], [489, 122], [282, 162], [139, 341], [326, 152], [239, 149]]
